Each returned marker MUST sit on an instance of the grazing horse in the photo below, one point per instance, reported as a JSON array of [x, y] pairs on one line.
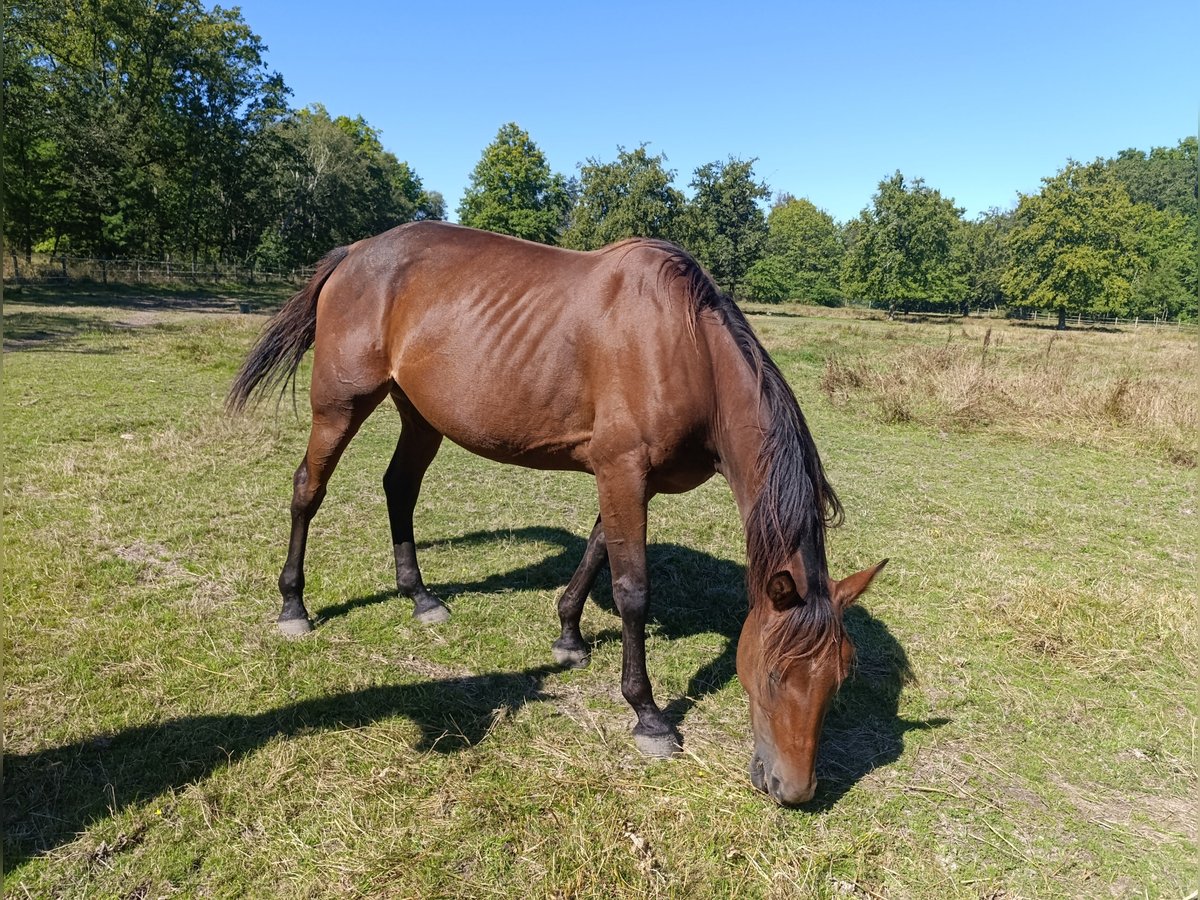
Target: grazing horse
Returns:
[[627, 363]]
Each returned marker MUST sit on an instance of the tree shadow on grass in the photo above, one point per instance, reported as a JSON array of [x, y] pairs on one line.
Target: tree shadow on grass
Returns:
[[52, 794], [1070, 328], [34, 331], [153, 297]]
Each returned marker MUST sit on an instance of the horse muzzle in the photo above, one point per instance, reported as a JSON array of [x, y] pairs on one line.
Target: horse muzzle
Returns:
[[784, 791]]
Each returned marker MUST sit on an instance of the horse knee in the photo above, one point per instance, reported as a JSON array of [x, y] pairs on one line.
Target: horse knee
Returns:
[[631, 597]]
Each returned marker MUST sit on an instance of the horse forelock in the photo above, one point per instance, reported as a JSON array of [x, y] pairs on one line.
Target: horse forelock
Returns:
[[800, 632]]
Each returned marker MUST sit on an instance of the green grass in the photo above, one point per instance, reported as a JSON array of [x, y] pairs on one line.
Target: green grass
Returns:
[[1021, 723]]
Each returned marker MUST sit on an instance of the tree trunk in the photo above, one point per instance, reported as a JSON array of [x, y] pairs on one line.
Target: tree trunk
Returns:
[[1062, 318]]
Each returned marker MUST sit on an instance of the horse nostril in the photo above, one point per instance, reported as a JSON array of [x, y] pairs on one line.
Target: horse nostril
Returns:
[[758, 774], [790, 795]]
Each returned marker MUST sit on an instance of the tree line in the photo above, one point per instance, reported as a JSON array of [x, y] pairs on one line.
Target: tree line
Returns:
[[1112, 237], [155, 128], [151, 129]]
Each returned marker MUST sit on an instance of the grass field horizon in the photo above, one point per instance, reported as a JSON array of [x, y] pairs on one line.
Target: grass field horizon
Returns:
[[1021, 722]]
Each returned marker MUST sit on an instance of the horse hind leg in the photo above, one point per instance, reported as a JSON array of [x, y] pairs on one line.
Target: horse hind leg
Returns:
[[570, 649], [415, 450], [335, 422]]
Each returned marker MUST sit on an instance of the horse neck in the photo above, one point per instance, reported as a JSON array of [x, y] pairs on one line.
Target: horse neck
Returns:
[[743, 419], [740, 417]]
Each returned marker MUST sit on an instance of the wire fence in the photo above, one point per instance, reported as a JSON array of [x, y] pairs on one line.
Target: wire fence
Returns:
[[47, 269], [1080, 320], [63, 269]]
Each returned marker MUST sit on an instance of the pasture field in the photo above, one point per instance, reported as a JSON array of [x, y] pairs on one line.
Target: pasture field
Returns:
[[1021, 723]]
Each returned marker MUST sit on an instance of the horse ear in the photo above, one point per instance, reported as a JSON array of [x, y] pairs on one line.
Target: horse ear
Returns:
[[782, 590], [851, 587]]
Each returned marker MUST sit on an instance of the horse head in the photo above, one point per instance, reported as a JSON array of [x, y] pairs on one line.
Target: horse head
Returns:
[[792, 657]]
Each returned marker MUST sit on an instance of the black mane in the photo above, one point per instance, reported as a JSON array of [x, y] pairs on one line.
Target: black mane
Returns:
[[796, 501]]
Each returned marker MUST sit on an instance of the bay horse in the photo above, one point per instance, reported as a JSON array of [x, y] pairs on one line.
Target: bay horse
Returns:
[[626, 363]]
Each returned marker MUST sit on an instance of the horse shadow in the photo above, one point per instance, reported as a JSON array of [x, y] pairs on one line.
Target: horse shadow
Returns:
[[55, 793], [695, 593]]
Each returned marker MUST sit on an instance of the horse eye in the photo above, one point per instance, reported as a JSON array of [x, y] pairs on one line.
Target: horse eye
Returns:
[[773, 678]]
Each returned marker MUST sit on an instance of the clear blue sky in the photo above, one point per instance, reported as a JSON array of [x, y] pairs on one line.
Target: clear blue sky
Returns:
[[982, 100]]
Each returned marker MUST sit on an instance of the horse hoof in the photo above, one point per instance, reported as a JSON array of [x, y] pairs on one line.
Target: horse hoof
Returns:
[[294, 627], [572, 658], [659, 746], [432, 615]]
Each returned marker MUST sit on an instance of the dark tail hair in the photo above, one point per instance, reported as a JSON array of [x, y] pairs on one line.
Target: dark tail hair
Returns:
[[276, 356]]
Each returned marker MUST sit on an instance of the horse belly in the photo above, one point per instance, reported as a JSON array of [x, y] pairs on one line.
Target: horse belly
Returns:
[[502, 417]]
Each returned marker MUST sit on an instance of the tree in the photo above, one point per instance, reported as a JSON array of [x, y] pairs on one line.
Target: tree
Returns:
[[1077, 246], [135, 119], [1164, 285], [804, 250], [907, 247], [630, 197], [724, 226], [987, 259], [771, 280], [512, 190], [1165, 178], [333, 183]]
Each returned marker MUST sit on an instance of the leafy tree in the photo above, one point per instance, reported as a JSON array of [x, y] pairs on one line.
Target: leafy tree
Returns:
[[724, 225], [805, 243], [630, 197], [987, 259], [1077, 246], [771, 280], [135, 118], [512, 190], [137, 127], [907, 247], [1165, 178], [1164, 284], [334, 184]]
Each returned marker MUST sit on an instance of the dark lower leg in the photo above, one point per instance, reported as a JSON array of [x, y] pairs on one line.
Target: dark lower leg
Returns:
[[426, 605], [623, 507], [402, 484], [293, 617], [335, 422], [570, 648], [653, 734]]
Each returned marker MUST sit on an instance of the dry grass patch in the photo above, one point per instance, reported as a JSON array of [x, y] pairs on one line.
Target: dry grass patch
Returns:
[[1110, 625], [1095, 389]]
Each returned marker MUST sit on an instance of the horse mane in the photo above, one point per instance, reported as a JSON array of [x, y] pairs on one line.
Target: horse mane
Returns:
[[795, 499]]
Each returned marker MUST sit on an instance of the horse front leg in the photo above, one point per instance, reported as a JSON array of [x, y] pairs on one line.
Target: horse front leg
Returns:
[[570, 649], [623, 500]]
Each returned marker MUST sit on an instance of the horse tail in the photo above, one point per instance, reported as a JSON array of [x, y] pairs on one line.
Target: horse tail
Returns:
[[277, 354]]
